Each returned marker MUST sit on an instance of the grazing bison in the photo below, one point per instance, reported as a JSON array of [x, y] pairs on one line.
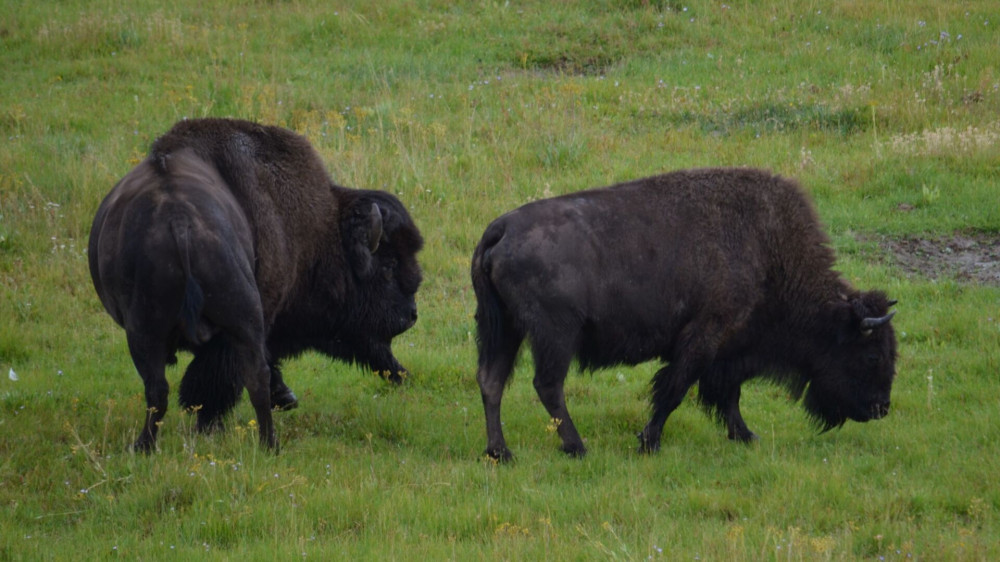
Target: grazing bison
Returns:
[[230, 241], [724, 274]]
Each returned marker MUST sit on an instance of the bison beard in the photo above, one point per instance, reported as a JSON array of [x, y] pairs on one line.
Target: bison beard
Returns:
[[230, 241], [722, 274]]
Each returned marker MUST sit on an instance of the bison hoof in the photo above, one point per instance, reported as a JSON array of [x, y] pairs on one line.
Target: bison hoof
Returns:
[[284, 399], [577, 451], [270, 443], [209, 425], [501, 455], [144, 446], [647, 445], [748, 437]]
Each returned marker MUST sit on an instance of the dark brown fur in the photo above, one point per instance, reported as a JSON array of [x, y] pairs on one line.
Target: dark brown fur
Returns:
[[231, 241], [723, 274]]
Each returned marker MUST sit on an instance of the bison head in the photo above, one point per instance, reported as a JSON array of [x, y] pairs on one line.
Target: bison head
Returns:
[[853, 374], [381, 243]]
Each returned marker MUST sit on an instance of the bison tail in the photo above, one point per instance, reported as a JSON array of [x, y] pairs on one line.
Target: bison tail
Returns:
[[190, 314], [212, 383], [194, 297], [492, 322]]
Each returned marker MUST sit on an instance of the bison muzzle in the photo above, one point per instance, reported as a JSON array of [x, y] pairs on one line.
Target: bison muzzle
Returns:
[[724, 275], [230, 241]]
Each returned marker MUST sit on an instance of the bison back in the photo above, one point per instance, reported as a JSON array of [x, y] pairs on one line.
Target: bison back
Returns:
[[618, 272], [283, 189]]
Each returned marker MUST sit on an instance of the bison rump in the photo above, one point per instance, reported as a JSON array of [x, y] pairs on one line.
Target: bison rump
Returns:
[[172, 260]]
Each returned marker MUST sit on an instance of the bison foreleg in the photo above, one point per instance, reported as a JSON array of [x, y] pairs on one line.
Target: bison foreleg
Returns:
[[282, 397], [736, 427], [665, 399], [670, 385], [397, 373], [694, 355], [719, 392], [258, 387], [379, 358]]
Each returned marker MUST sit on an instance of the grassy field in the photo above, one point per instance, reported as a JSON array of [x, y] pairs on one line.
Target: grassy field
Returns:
[[888, 112]]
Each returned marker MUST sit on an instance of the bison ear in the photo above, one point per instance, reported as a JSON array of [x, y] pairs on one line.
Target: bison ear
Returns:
[[363, 233]]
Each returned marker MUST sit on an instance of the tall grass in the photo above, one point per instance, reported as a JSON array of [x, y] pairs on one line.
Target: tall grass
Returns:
[[886, 112]]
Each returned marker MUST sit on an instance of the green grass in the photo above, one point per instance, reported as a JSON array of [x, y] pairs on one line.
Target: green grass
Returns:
[[466, 110]]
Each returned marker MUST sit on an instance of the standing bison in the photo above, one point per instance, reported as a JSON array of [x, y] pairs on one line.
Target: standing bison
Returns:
[[724, 274], [230, 241]]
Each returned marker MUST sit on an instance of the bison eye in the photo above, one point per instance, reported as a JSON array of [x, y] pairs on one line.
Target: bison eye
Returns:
[[388, 269]]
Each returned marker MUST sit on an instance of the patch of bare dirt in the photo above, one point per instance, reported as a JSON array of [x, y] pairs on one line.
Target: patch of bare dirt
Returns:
[[969, 257]]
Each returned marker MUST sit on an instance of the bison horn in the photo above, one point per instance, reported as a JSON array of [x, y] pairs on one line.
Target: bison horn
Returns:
[[375, 232], [868, 324]]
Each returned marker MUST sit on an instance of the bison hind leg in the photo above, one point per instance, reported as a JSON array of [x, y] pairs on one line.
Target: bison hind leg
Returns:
[[212, 383], [552, 362], [496, 363], [150, 358]]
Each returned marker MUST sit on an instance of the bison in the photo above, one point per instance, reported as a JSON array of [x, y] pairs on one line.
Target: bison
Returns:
[[230, 241], [722, 274]]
